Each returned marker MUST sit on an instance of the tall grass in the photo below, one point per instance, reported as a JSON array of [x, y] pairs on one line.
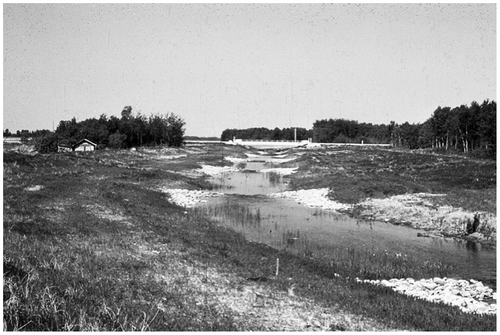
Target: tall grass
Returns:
[[73, 256], [349, 261], [229, 211], [275, 179]]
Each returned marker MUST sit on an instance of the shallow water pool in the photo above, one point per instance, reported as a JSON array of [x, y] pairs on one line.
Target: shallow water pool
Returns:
[[284, 224]]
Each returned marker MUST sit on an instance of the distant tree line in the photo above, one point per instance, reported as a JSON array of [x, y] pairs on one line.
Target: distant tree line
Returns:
[[128, 131], [201, 138], [348, 131], [467, 129], [25, 134], [464, 128], [275, 134]]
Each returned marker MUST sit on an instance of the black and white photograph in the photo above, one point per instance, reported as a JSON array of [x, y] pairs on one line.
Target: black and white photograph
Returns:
[[248, 167]]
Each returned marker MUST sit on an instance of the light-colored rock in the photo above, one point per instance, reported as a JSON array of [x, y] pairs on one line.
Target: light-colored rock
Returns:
[[386, 283], [462, 282], [34, 188], [439, 281], [466, 295], [429, 286]]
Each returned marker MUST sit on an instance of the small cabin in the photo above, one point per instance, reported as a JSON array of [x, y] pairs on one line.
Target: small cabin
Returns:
[[81, 146], [84, 145]]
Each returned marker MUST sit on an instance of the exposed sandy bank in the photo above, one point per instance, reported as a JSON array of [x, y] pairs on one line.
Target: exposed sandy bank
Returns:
[[216, 170], [416, 210], [312, 198], [189, 198], [281, 171], [419, 211]]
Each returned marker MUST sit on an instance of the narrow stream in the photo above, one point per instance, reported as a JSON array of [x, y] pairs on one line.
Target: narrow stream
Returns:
[[284, 224]]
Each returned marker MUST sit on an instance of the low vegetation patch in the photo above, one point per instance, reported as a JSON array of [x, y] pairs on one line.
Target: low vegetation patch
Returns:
[[361, 176], [360, 173]]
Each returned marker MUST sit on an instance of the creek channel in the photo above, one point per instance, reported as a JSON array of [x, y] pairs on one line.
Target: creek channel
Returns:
[[284, 224]]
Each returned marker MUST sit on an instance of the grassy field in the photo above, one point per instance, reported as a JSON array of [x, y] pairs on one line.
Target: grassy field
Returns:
[[359, 173], [91, 244], [355, 174]]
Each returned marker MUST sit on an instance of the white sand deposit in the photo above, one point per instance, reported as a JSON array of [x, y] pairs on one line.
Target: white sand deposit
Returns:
[[189, 198], [216, 170], [312, 198], [467, 295], [173, 156], [281, 171], [277, 159], [34, 188], [235, 160], [417, 210]]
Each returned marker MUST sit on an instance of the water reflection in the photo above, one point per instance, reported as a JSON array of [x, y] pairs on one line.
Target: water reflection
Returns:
[[369, 246], [472, 246], [315, 233], [249, 183], [275, 179]]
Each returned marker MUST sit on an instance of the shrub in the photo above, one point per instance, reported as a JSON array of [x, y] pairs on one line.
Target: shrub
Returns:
[[117, 140], [46, 143]]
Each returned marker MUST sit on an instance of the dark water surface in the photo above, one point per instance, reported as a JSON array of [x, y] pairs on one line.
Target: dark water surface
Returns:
[[282, 223]]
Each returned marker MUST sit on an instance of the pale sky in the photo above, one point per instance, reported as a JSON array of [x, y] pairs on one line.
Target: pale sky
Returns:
[[224, 66]]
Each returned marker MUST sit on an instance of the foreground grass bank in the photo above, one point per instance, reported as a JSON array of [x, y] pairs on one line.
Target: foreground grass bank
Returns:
[[90, 244]]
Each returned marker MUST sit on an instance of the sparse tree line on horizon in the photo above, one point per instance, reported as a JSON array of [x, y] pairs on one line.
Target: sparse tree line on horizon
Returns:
[[113, 132], [467, 129]]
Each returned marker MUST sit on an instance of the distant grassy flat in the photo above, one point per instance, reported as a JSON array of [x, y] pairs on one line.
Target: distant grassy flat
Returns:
[[356, 173]]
